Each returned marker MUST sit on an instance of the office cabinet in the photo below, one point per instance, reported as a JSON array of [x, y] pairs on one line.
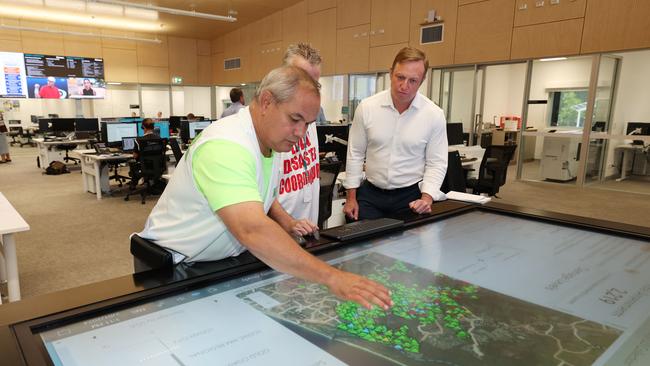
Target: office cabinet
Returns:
[[352, 49], [616, 25], [322, 35], [484, 31], [549, 39], [441, 53], [389, 22], [294, 24], [528, 12], [352, 12]]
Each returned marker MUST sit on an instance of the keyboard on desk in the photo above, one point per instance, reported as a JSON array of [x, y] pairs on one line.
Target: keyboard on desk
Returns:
[[361, 228]]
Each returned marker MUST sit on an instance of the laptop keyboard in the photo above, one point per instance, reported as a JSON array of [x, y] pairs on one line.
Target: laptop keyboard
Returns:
[[361, 228]]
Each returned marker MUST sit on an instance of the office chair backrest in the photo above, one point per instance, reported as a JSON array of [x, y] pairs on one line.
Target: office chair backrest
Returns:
[[494, 167], [151, 157], [328, 174], [455, 177], [176, 149]]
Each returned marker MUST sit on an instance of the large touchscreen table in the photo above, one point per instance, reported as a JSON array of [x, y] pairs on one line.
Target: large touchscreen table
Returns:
[[479, 288]]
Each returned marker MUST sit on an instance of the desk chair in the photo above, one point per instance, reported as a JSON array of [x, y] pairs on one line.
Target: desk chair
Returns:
[[26, 138], [455, 177], [13, 133], [328, 174], [68, 148], [493, 170], [176, 149], [150, 166]]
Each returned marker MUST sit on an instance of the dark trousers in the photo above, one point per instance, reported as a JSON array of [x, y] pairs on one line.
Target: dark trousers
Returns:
[[375, 202]]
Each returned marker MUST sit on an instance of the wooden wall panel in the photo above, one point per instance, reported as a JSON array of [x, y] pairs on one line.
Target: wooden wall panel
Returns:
[[616, 25], [11, 46], [318, 5], [438, 53], [10, 35], [118, 43], [549, 12], [271, 28], [153, 54], [38, 42], [82, 46], [218, 76], [484, 31], [294, 24], [384, 29], [203, 47], [183, 59], [549, 39], [153, 75], [352, 49], [121, 65], [381, 57], [322, 35], [351, 13], [218, 45], [204, 72]]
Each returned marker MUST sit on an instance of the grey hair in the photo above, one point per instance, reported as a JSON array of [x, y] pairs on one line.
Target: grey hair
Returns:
[[283, 83], [303, 50]]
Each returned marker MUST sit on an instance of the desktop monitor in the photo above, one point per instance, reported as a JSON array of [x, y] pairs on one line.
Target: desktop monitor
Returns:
[[599, 126], [455, 134], [53, 115], [44, 125], [333, 138], [639, 129], [175, 122], [87, 124], [34, 119], [189, 128], [128, 144], [161, 128], [112, 133], [63, 124]]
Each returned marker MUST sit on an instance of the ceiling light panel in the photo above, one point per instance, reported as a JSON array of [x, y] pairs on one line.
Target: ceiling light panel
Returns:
[[104, 9], [140, 13], [76, 5]]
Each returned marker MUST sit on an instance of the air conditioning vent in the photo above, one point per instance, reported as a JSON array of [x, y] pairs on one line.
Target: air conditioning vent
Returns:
[[232, 63], [431, 33]]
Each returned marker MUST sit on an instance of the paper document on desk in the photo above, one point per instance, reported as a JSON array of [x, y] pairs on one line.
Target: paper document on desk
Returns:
[[466, 197]]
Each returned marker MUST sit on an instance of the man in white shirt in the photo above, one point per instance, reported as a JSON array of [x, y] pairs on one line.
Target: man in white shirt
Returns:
[[300, 183], [237, 99], [401, 136]]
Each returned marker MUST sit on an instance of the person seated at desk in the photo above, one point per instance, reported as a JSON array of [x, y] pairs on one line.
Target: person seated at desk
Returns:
[[149, 133], [401, 136], [222, 197]]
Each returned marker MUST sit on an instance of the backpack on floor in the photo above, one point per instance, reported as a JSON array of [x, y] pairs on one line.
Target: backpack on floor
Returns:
[[56, 167]]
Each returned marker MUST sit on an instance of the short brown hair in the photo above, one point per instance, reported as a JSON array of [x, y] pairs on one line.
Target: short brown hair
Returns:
[[410, 54], [147, 124], [303, 50]]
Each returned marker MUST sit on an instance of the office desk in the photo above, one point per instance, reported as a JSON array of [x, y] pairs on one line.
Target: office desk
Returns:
[[628, 154], [94, 170], [10, 223], [47, 151], [579, 296]]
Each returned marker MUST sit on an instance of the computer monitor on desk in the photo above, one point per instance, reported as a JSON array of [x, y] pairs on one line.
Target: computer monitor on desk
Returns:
[[113, 133], [161, 129], [639, 129], [86, 125], [44, 125], [128, 144], [455, 134], [189, 128], [62, 125], [333, 138]]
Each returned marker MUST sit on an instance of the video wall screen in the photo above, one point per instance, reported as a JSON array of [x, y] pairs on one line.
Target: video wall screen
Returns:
[[13, 82], [64, 77]]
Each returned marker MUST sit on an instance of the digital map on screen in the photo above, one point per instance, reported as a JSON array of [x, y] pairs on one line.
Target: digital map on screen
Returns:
[[435, 319]]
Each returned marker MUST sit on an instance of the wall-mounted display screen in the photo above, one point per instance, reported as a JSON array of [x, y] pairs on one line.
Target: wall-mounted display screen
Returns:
[[13, 82], [62, 77]]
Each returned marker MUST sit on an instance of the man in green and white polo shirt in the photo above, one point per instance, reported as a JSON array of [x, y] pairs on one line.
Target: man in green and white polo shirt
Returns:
[[222, 198]]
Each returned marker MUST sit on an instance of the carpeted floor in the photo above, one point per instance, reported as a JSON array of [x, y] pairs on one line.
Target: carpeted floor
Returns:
[[75, 239]]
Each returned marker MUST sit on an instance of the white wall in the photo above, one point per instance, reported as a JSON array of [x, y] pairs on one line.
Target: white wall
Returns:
[[155, 99], [117, 101], [332, 96], [504, 91], [191, 99]]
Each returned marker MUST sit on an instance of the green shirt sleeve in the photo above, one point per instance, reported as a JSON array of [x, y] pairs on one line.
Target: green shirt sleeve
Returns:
[[225, 173]]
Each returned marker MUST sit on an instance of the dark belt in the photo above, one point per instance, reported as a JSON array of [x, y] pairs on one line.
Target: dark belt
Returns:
[[395, 190]]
